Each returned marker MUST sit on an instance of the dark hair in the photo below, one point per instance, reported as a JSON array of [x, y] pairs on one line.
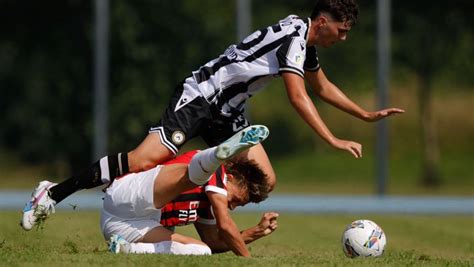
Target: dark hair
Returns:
[[250, 177], [340, 10]]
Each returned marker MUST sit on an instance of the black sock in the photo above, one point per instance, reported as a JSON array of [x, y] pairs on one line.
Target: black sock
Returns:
[[91, 177], [118, 165]]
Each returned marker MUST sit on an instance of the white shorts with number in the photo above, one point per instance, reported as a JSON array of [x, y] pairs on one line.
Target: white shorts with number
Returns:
[[128, 208]]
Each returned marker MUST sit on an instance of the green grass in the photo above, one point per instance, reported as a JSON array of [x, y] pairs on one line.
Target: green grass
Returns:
[[74, 239]]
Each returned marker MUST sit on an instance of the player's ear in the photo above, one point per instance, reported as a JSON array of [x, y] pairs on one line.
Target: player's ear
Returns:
[[321, 20], [230, 177]]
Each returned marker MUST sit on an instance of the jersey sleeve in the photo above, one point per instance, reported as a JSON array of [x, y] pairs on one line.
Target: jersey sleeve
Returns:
[[218, 182], [311, 62], [291, 55]]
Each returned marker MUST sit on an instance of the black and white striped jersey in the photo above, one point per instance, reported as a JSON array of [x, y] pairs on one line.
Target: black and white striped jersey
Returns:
[[244, 69]]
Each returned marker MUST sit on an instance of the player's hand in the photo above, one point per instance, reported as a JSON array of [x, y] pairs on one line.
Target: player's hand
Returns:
[[268, 223], [352, 147], [378, 115]]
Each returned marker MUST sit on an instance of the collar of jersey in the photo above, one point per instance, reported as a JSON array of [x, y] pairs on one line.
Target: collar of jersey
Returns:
[[308, 24]]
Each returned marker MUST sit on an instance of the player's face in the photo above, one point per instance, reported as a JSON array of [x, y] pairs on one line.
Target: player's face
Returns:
[[331, 31], [236, 195]]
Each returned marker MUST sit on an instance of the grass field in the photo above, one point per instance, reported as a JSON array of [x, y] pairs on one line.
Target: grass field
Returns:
[[74, 239]]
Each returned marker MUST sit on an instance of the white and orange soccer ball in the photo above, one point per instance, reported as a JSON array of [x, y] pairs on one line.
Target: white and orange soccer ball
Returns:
[[363, 238]]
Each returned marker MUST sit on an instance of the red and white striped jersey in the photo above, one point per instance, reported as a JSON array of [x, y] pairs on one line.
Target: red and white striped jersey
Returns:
[[193, 205]]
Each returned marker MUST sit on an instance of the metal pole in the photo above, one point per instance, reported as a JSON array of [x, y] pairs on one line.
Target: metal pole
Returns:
[[383, 77], [101, 70]]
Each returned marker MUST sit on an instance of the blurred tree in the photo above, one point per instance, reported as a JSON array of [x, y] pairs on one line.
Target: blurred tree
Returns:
[[45, 70], [45, 66], [44, 75], [427, 36], [154, 46]]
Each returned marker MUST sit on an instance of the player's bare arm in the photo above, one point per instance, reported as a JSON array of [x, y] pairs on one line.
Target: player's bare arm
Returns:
[[267, 225], [305, 107], [227, 229], [210, 235], [331, 94]]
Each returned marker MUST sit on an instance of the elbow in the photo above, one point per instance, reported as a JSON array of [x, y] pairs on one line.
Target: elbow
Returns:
[[298, 101], [293, 101], [217, 250], [215, 246]]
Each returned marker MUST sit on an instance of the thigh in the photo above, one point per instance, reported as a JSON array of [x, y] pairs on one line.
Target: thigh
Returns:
[[148, 154], [132, 195], [170, 182], [131, 230], [179, 123], [160, 233]]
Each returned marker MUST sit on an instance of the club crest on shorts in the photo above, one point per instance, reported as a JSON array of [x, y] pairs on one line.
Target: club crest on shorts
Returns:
[[178, 137]]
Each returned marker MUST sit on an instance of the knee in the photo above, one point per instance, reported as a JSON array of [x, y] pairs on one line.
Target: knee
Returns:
[[271, 181], [270, 176], [147, 164], [137, 162]]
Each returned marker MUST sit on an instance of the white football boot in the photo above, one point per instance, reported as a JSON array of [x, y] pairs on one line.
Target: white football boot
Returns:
[[39, 207], [241, 141], [118, 244]]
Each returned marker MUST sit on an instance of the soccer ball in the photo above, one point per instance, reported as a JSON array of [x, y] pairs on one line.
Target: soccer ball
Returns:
[[363, 238]]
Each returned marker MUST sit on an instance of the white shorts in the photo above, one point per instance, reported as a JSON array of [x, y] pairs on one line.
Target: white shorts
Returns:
[[128, 208]]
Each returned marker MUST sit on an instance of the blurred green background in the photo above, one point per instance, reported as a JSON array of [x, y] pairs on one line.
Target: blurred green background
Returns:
[[46, 80]]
